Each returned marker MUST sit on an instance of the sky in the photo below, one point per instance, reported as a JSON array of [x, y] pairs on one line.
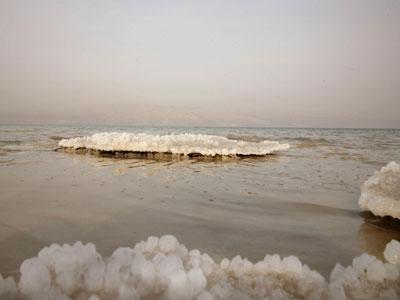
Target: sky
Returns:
[[278, 63]]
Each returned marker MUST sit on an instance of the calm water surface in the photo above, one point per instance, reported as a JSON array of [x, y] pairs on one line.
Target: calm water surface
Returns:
[[302, 201]]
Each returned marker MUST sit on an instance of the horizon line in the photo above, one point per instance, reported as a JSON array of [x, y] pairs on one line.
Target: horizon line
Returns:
[[195, 126]]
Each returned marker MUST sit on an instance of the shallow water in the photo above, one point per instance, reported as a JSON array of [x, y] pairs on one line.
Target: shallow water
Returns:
[[302, 201]]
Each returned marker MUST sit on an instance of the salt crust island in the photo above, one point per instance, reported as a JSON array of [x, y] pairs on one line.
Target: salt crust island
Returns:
[[175, 144], [381, 192]]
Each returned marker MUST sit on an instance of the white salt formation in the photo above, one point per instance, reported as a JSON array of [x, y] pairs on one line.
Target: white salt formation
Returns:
[[209, 145], [164, 269], [392, 252], [368, 277], [381, 193]]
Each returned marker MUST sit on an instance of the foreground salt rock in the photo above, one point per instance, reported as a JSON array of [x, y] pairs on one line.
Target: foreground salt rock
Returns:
[[381, 192], [162, 268], [185, 144], [366, 278], [392, 252]]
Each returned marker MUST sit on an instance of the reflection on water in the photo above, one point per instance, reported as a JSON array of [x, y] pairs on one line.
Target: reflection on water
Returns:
[[166, 156], [123, 165], [376, 232], [57, 137]]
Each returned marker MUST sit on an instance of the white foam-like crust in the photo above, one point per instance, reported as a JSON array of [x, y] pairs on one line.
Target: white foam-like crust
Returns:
[[187, 143], [392, 252], [165, 269], [381, 192]]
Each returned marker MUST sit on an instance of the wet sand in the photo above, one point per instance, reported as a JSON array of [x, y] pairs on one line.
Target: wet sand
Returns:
[[249, 208]]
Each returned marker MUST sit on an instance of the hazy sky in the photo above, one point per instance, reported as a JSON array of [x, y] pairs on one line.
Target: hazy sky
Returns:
[[254, 63]]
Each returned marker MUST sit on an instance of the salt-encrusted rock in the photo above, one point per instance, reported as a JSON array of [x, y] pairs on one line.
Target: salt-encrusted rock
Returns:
[[367, 277], [381, 192], [164, 269], [392, 252]]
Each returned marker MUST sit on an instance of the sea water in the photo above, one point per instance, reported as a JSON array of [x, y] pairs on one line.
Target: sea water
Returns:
[[302, 200]]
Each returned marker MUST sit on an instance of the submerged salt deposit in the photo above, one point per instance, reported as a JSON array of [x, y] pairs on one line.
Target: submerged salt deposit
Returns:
[[381, 192], [162, 268], [203, 144]]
